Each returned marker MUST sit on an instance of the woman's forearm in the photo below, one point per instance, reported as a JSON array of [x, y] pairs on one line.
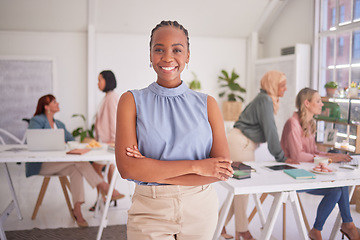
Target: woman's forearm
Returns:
[[152, 170], [190, 180]]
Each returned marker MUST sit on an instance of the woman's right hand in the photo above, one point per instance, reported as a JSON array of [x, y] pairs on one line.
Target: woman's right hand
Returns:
[[291, 161], [217, 167], [134, 152]]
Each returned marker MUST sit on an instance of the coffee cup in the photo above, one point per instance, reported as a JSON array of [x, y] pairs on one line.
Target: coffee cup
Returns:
[[73, 144], [322, 160]]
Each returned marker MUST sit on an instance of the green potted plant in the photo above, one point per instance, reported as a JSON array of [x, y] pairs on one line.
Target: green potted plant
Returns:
[[331, 88], [85, 134], [195, 83], [233, 106]]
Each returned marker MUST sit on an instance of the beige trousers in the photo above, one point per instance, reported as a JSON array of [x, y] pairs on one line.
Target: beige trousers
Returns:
[[76, 171], [241, 149], [163, 212]]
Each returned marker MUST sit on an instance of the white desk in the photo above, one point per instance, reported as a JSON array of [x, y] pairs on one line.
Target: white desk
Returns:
[[52, 156], [284, 188]]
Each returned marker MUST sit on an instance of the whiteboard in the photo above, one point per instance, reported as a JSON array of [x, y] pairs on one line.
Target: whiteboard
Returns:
[[22, 83]]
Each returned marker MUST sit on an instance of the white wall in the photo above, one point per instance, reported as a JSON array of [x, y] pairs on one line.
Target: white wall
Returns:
[[128, 57], [294, 25], [69, 53]]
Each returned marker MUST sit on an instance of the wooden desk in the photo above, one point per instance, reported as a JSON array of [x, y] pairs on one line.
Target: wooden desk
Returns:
[[21, 154], [284, 188]]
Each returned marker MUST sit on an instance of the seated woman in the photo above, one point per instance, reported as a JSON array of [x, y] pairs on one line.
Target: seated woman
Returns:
[[44, 119], [298, 143]]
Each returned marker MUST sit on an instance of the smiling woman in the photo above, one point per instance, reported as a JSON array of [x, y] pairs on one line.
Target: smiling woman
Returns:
[[168, 58], [171, 141]]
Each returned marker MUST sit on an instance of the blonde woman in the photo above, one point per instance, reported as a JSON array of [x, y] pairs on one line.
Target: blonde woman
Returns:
[[255, 125], [298, 142]]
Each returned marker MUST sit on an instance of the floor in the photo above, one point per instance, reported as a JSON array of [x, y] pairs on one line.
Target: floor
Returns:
[[53, 212]]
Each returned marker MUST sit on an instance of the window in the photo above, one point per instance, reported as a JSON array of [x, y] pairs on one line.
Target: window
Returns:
[[341, 46], [339, 43], [342, 14], [356, 47], [357, 10], [333, 17], [331, 47]]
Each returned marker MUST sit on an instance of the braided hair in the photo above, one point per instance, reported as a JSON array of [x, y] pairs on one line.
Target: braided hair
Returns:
[[310, 126], [173, 24]]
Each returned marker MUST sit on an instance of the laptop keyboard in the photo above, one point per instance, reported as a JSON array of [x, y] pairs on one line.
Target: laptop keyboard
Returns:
[[354, 162]]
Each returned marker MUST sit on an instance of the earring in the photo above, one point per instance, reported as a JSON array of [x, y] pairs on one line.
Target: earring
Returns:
[[150, 64], [48, 110], [187, 66]]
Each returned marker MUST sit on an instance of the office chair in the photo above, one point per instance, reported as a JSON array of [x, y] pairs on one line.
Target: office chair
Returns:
[[65, 185], [10, 135]]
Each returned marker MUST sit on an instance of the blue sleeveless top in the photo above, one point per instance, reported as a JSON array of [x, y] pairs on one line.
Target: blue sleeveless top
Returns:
[[172, 124]]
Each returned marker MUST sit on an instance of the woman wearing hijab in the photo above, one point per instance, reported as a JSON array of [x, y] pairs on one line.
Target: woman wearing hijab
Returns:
[[255, 125]]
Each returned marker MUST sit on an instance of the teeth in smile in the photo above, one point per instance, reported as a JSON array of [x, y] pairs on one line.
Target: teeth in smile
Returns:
[[168, 68]]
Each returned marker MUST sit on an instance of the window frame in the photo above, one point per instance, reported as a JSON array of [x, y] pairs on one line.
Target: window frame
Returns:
[[351, 27]]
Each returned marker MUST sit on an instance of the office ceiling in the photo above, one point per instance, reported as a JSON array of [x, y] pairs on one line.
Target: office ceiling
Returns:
[[208, 18]]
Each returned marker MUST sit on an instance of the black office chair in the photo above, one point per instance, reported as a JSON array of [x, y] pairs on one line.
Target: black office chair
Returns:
[[26, 120]]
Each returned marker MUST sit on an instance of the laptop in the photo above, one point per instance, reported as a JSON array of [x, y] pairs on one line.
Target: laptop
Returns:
[[45, 139]]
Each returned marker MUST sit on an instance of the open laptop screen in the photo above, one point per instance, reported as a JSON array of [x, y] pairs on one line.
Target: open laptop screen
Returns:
[[45, 139]]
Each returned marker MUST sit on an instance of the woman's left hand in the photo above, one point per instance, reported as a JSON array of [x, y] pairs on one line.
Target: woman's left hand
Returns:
[[134, 152]]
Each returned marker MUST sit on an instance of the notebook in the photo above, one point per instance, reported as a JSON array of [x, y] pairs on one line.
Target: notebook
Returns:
[[78, 151], [300, 173], [45, 139]]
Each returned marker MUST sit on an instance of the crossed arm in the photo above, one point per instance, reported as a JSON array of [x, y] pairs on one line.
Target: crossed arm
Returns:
[[182, 172]]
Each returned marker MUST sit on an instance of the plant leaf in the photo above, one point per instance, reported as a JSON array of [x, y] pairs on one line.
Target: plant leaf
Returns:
[[79, 115], [234, 86], [231, 85], [241, 98], [234, 75], [222, 78], [231, 97], [82, 136], [77, 132], [226, 75]]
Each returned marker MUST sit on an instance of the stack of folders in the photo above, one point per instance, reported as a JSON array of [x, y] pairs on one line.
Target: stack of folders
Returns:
[[241, 171], [300, 173]]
